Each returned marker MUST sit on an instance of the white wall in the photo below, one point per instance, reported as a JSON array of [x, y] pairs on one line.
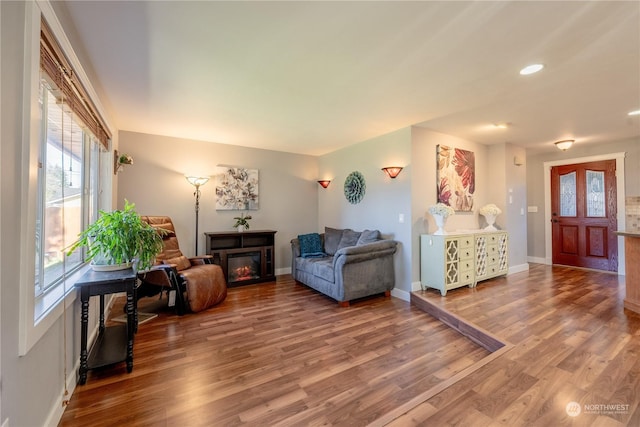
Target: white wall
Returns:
[[495, 174], [156, 184], [35, 377], [385, 198], [32, 385]]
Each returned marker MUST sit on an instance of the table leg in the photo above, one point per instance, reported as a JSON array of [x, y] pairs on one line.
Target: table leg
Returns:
[[101, 313], [84, 367], [131, 327]]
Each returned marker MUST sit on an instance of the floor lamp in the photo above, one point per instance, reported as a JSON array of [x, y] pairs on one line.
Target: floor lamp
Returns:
[[197, 181]]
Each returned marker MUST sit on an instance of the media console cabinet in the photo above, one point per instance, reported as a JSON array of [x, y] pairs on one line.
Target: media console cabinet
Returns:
[[245, 257], [453, 260]]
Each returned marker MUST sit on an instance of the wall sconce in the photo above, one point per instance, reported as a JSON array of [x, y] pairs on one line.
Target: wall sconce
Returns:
[[392, 171], [565, 144], [197, 181], [119, 160], [324, 182]]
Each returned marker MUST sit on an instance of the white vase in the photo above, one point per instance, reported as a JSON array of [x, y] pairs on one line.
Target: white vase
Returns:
[[491, 219], [440, 222], [240, 228]]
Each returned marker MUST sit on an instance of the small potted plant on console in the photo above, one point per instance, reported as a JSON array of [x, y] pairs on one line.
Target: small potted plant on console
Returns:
[[119, 240]]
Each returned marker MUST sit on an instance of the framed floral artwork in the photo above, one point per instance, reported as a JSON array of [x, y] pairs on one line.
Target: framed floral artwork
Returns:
[[456, 177], [237, 188]]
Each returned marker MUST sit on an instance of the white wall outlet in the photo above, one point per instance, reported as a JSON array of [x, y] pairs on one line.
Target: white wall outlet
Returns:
[[532, 209]]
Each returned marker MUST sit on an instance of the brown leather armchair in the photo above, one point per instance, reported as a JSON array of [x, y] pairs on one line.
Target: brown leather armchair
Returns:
[[201, 279]]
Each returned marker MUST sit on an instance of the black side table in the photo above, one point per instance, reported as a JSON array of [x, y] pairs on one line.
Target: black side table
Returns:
[[114, 343]]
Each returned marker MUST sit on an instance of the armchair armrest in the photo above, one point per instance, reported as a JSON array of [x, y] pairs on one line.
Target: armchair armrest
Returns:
[[159, 275], [201, 259]]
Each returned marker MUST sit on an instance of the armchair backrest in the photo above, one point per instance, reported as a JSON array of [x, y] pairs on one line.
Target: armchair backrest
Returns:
[[171, 247]]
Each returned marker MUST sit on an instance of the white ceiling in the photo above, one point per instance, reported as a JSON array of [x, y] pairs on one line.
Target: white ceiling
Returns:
[[312, 77]]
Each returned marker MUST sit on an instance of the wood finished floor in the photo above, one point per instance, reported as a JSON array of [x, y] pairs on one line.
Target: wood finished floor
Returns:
[[572, 342], [275, 354], [281, 354]]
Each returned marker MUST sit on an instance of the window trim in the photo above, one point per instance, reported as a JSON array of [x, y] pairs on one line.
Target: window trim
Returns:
[[30, 328]]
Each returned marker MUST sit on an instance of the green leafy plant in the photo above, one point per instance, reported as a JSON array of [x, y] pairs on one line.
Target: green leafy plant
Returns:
[[242, 220], [120, 237]]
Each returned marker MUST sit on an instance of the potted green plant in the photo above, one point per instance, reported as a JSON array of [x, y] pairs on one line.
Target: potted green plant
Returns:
[[119, 238], [242, 222]]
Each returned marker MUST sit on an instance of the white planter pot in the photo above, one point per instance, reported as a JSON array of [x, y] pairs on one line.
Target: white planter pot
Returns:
[[440, 222], [491, 219]]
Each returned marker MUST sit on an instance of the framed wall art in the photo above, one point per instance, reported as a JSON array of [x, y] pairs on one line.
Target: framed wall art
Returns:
[[456, 177], [237, 188]]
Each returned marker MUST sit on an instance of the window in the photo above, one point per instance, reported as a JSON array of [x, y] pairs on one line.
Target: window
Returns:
[[68, 178], [65, 166]]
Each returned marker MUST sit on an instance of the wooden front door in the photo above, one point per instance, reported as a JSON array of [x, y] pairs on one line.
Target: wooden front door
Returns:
[[584, 215]]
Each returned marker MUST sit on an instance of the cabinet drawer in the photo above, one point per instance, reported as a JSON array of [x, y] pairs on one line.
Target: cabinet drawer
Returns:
[[466, 265], [466, 242]]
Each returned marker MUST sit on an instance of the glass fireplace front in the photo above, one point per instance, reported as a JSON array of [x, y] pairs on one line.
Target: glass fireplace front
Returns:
[[244, 266]]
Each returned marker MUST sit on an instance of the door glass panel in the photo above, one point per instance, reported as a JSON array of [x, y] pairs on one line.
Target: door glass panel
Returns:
[[568, 194], [595, 194]]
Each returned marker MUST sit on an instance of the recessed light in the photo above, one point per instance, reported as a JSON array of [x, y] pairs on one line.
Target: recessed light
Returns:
[[635, 113], [530, 69], [501, 125]]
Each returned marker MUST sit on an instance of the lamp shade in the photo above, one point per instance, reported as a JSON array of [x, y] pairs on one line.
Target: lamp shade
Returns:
[[565, 144], [197, 181], [392, 171], [324, 182]]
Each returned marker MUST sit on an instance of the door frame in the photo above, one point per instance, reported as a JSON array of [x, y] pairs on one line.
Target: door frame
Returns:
[[621, 207]]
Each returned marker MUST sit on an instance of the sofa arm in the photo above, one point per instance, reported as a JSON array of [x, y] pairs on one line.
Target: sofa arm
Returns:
[[295, 248]]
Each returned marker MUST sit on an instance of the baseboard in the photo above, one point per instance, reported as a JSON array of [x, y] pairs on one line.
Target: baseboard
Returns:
[[282, 271], [57, 410], [416, 286], [400, 294], [518, 268], [537, 260], [59, 405]]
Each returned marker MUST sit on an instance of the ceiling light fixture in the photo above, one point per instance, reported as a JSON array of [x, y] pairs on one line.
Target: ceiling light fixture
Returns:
[[565, 144], [501, 125], [530, 69], [635, 113]]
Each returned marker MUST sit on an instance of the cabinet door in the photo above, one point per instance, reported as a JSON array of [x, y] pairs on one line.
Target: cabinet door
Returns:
[[503, 253], [452, 269], [481, 256]]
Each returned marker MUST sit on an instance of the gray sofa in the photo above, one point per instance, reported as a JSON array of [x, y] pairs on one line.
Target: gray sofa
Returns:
[[350, 264]]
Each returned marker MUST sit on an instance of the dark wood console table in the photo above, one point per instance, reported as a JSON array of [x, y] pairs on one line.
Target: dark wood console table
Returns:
[[114, 343], [245, 257]]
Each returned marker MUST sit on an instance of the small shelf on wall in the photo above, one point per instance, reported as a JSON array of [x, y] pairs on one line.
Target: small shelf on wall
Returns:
[[120, 160]]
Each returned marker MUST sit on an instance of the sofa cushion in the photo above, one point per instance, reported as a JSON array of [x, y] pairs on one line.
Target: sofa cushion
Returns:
[[368, 236], [324, 269], [332, 238], [310, 245], [349, 238]]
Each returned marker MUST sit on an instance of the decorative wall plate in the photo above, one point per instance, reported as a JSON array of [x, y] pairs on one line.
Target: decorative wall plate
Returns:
[[354, 187]]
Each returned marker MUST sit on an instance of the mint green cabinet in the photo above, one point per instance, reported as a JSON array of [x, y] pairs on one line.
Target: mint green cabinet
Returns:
[[455, 260]]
